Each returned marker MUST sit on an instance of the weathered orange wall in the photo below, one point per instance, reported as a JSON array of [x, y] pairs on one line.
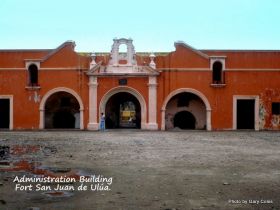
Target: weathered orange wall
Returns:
[[249, 59], [247, 73], [26, 111], [221, 98]]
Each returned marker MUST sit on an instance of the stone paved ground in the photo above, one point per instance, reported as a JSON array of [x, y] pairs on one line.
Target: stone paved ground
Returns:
[[150, 170]]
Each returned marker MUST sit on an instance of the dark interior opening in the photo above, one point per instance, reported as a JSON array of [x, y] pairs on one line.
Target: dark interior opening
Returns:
[[62, 110], [217, 72], [184, 120], [63, 119], [4, 113], [246, 114], [183, 99], [275, 108], [33, 75], [123, 110]]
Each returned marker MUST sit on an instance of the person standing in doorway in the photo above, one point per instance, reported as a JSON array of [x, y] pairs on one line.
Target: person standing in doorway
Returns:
[[102, 122]]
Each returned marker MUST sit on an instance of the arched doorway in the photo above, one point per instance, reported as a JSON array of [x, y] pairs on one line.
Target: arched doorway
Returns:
[[78, 115], [131, 94], [62, 110], [186, 108], [184, 120], [123, 110]]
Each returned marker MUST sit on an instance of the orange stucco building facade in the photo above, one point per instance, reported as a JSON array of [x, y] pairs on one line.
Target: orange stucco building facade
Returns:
[[183, 89]]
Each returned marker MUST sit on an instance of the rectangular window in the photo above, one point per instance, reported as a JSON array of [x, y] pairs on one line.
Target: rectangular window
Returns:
[[275, 108]]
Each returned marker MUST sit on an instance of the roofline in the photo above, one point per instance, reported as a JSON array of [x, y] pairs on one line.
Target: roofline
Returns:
[[139, 53], [54, 51], [238, 50], [182, 43], [24, 50]]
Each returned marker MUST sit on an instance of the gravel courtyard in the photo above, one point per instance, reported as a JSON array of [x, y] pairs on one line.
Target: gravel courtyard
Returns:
[[149, 170]]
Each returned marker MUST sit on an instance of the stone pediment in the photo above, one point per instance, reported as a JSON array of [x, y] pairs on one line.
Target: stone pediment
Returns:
[[122, 63], [101, 70]]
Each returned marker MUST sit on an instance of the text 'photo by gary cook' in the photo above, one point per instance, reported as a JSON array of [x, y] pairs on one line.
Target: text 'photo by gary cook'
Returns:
[[63, 183]]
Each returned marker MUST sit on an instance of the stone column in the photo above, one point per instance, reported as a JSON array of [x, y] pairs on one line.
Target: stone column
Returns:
[[129, 52], [152, 123], [115, 53], [42, 120], [208, 120], [163, 119], [93, 124], [81, 119]]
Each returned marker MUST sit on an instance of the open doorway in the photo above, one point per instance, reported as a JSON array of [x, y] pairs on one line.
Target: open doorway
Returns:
[[245, 114], [185, 110], [123, 110], [62, 111], [4, 113], [184, 120]]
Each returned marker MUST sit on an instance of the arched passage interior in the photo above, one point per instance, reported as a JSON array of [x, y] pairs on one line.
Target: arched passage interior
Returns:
[[62, 110], [123, 110], [185, 110], [184, 120]]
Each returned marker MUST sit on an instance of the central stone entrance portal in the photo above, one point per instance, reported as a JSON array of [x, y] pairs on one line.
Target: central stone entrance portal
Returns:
[[123, 110]]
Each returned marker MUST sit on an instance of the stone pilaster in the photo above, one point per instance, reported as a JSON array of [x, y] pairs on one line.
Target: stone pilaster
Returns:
[[93, 124], [152, 123], [208, 120]]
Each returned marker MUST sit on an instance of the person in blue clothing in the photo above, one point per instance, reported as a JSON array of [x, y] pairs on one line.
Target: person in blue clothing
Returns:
[[102, 122]]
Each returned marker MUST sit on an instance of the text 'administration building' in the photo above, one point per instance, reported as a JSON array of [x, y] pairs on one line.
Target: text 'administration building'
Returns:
[[186, 88]]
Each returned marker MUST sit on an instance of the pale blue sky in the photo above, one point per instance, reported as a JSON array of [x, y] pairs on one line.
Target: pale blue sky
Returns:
[[154, 25]]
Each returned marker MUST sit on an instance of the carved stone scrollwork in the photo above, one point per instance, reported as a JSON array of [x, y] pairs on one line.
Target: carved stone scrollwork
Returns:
[[116, 56]]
